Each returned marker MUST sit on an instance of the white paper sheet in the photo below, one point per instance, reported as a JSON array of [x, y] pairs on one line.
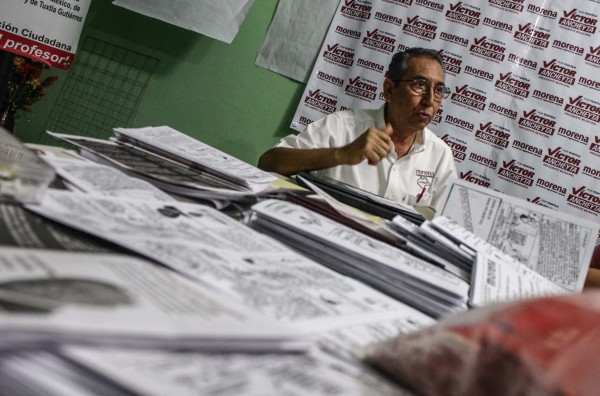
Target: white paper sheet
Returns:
[[295, 37], [219, 19]]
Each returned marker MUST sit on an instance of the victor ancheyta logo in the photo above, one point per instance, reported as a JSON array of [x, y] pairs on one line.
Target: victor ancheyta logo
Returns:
[[467, 15], [538, 123], [318, 100], [562, 161], [496, 136], [579, 21], [339, 55], [421, 28], [458, 147], [516, 173]]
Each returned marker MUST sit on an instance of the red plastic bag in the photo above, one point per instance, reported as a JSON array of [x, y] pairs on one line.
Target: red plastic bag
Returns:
[[545, 346]]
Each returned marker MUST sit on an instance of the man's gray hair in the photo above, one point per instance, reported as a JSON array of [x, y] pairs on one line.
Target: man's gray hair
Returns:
[[399, 63]]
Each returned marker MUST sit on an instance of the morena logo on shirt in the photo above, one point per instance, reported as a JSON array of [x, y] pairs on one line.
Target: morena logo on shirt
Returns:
[[513, 85], [536, 122], [495, 136], [562, 161], [584, 198], [488, 49], [467, 15], [578, 21], [583, 109], [420, 28]]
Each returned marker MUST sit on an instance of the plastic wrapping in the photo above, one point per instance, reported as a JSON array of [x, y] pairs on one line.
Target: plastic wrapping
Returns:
[[545, 346]]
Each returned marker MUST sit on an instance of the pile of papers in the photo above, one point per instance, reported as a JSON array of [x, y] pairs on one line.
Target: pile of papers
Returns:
[[405, 277], [52, 296], [178, 164]]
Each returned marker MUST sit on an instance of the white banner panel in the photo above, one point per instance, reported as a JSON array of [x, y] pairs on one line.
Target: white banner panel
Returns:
[[524, 113], [46, 31]]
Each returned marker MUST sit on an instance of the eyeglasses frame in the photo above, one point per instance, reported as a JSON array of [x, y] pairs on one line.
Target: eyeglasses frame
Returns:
[[445, 93]]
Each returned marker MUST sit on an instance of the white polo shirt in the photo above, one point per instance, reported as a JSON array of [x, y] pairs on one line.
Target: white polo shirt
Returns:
[[417, 179]]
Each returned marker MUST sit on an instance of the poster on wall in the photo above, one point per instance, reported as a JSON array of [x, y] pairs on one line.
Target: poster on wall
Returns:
[[523, 117], [45, 31]]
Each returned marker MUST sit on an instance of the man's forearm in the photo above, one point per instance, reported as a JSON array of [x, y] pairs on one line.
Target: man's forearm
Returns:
[[289, 161]]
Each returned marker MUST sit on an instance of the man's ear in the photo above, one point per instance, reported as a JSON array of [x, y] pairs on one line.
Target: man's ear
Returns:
[[388, 87]]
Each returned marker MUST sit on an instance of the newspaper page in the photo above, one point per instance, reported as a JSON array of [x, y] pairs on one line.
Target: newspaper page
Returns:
[[184, 147], [117, 299], [337, 234], [387, 268], [162, 373], [557, 245], [22, 228], [91, 177], [223, 254]]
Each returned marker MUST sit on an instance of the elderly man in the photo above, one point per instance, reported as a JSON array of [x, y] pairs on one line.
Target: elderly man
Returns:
[[386, 151]]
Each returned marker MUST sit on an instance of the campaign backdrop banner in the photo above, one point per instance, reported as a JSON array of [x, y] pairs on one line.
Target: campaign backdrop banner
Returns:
[[523, 116], [44, 30]]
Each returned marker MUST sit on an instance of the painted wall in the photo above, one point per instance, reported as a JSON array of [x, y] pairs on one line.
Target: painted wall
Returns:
[[205, 88]]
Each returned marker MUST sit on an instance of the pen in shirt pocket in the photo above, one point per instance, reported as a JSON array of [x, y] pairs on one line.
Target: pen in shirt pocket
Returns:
[[421, 194]]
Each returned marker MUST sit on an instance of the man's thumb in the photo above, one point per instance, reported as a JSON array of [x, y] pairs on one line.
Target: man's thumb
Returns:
[[389, 130]]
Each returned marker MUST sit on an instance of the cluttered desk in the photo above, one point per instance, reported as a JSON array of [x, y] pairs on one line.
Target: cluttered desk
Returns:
[[155, 264]]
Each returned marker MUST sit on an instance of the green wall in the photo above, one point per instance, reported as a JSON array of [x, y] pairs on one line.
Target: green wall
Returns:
[[208, 89]]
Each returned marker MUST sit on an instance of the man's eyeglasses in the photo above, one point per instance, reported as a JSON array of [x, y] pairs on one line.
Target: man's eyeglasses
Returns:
[[420, 86]]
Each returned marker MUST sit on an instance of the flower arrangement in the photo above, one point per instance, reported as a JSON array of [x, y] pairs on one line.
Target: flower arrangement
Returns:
[[25, 86]]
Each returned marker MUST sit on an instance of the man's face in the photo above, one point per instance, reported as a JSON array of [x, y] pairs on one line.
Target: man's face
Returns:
[[406, 110]]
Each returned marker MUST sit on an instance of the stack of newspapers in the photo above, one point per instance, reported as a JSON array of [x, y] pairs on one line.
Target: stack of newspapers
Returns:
[[176, 163], [115, 300], [410, 279]]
